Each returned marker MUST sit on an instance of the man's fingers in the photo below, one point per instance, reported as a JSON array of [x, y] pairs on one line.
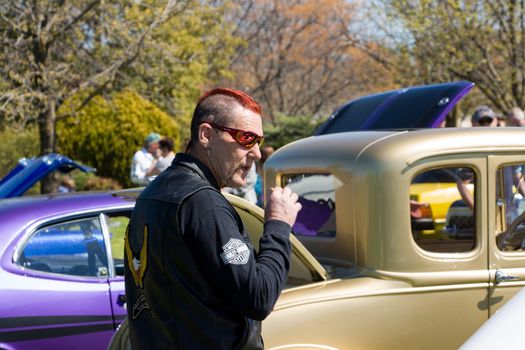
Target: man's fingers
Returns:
[[283, 205]]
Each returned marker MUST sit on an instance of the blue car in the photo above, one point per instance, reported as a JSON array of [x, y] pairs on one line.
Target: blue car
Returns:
[[29, 171]]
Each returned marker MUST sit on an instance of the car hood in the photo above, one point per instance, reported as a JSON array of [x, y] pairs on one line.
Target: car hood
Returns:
[[29, 171], [408, 108]]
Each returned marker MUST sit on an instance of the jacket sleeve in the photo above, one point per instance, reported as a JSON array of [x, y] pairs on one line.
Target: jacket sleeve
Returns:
[[215, 234]]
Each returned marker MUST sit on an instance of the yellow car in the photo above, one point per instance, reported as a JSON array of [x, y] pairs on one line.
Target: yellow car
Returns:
[[436, 191]]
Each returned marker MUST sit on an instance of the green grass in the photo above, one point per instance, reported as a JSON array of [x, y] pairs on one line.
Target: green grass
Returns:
[[117, 226]]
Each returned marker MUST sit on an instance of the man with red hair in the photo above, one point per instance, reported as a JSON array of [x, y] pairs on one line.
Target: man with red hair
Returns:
[[193, 278]]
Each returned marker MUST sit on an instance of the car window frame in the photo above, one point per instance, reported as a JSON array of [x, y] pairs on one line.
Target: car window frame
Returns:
[[478, 163], [290, 175], [475, 193], [28, 232]]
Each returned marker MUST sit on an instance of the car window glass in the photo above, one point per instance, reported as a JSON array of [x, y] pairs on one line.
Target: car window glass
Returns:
[[317, 196], [117, 229], [510, 208], [72, 248], [442, 209]]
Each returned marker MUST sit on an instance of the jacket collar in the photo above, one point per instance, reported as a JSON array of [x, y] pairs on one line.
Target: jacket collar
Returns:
[[192, 163]]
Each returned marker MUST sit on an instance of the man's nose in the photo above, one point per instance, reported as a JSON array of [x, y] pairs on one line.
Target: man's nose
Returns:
[[255, 152]]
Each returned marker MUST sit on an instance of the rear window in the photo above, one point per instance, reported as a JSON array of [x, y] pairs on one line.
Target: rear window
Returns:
[[317, 196]]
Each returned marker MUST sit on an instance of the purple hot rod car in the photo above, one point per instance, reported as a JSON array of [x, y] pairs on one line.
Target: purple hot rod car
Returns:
[[61, 270]]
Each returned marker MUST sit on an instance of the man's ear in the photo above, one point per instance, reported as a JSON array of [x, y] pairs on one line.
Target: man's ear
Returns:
[[204, 134]]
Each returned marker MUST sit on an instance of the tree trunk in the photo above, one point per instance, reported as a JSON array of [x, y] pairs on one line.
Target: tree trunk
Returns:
[[46, 129]]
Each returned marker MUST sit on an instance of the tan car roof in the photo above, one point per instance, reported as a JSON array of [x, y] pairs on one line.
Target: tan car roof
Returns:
[[374, 170]]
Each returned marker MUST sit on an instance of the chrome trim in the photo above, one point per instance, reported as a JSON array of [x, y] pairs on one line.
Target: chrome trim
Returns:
[[104, 225], [503, 277]]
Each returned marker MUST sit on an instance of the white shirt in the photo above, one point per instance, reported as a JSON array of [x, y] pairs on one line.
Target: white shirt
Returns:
[[164, 162], [140, 164]]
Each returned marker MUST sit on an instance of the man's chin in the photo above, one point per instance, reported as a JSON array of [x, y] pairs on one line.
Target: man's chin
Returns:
[[237, 182]]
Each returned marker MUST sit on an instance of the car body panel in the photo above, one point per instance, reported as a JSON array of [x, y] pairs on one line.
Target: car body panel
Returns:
[[29, 171], [352, 306], [407, 108]]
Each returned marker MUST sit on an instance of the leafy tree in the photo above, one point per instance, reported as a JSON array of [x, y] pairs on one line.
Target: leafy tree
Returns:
[[297, 59], [16, 144], [287, 129], [53, 50], [106, 132], [186, 54], [433, 41]]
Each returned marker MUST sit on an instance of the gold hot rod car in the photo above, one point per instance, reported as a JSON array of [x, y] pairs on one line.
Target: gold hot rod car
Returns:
[[378, 281]]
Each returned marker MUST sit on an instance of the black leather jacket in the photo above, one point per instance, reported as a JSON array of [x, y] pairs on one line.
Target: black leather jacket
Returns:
[[194, 281]]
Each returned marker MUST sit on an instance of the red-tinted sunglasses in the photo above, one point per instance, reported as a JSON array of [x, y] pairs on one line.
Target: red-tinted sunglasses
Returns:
[[244, 138]]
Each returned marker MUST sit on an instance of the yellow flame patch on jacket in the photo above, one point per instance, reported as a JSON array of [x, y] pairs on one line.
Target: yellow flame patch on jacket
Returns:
[[137, 266]]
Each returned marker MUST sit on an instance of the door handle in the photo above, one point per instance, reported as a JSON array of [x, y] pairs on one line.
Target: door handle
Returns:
[[502, 277], [121, 299]]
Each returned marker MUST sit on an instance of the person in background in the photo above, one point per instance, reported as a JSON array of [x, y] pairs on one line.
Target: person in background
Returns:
[[484, 116], [193, 278], [502, 120], [167, 155], [266, 152], [143, 159], [516, 117], [67, 184]]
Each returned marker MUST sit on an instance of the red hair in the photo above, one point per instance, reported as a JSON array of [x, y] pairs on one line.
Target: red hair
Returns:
[[216, 106], [242, 98]]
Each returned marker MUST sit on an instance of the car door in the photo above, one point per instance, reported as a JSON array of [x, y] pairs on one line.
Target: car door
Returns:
[[58, 293], [506, 227]]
